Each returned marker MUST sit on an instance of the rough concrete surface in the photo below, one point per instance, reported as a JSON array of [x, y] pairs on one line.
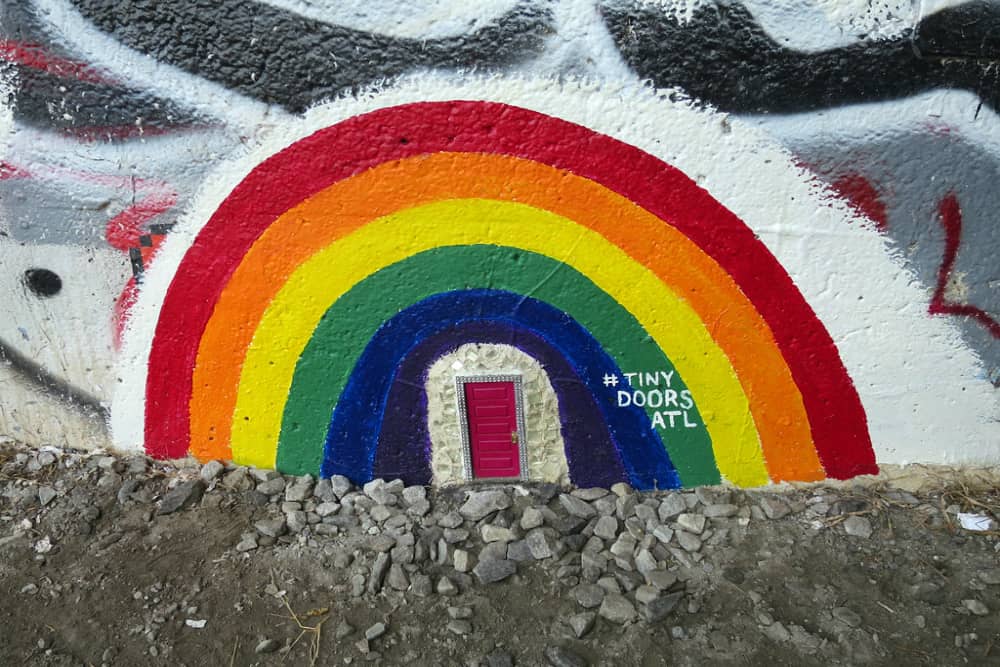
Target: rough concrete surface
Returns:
[[94, 571]]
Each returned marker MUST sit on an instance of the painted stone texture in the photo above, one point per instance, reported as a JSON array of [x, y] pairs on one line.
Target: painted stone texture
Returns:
[[545, 447], [252, 231]]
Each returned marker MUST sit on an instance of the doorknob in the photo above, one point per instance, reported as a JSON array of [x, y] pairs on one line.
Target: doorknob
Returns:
[[514, 437]]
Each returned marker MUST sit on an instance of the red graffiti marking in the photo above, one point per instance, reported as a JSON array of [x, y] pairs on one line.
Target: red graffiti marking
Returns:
[[9, 171], [950, 215], [862, 196], [37, 57], [123, 230]]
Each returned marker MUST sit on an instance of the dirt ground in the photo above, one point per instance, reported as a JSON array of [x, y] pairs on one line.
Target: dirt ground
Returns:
[[95, 569]]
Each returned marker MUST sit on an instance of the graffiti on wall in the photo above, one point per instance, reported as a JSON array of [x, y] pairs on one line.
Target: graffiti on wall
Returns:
[[119, 119]]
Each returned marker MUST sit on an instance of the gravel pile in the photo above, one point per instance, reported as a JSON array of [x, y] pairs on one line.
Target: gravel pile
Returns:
[[179, 564]]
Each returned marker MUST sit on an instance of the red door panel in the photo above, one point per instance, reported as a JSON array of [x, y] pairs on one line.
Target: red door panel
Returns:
[[492, 416]]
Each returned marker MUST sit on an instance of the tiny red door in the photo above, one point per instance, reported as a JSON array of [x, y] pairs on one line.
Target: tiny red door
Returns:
[[493, 440]]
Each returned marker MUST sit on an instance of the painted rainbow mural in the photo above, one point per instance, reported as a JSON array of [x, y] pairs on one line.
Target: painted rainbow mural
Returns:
[[300, 325]]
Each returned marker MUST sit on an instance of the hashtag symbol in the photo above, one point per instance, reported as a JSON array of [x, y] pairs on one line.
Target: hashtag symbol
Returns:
[[610, 380]]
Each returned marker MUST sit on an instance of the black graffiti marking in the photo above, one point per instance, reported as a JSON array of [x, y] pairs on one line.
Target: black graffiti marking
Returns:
[[969, 31], [724, 57], [41, 379], [93, 110], [89, 109], [146, 241], [282, 58], [42, 282]]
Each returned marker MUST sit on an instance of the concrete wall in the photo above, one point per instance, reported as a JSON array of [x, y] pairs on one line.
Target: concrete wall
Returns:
[[774, 258]]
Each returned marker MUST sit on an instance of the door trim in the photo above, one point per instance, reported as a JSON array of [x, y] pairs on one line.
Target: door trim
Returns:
[[463, 420]]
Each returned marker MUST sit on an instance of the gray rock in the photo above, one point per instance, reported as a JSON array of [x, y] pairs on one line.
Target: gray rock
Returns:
[[624, 546], [976, 607], [414, 494], [774, 508], [264, 474], [493, 551], [645, 594], [625, 506], [381, 542], [661, 607], [344, 629], [576, 507], [327, 508], [492, 571], [557, 656], [45, 495], [606, 528], [271, 487], [720, 510], [379, 569], [462, 560], [588, 596], [493, 533], [357, 585], [421, 585], [397, 578], [532, 518], [483, 503], [459, 627], [858, 526], [380, 513], [455, 535], [778, 632], [622, 489], [847, 616], [609, 585], [617, 609], [296, 521], [671, 506], [661, 579], [446, 586], [247, 543], [991, 577], [590, 495], [519, 551], [402, 554], [582, 623], [538, 544], [693, 523], [238, 480], [644, 562], [211, 470], [323, 491], [688, 541], [183, 495], [340, 486], [442, 551], [125, 492], [301, 489], [645, 513], [460, 612], [267, 646], [450, 520], [663, 533], [380, 491], [375, 631], [419, 508]]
